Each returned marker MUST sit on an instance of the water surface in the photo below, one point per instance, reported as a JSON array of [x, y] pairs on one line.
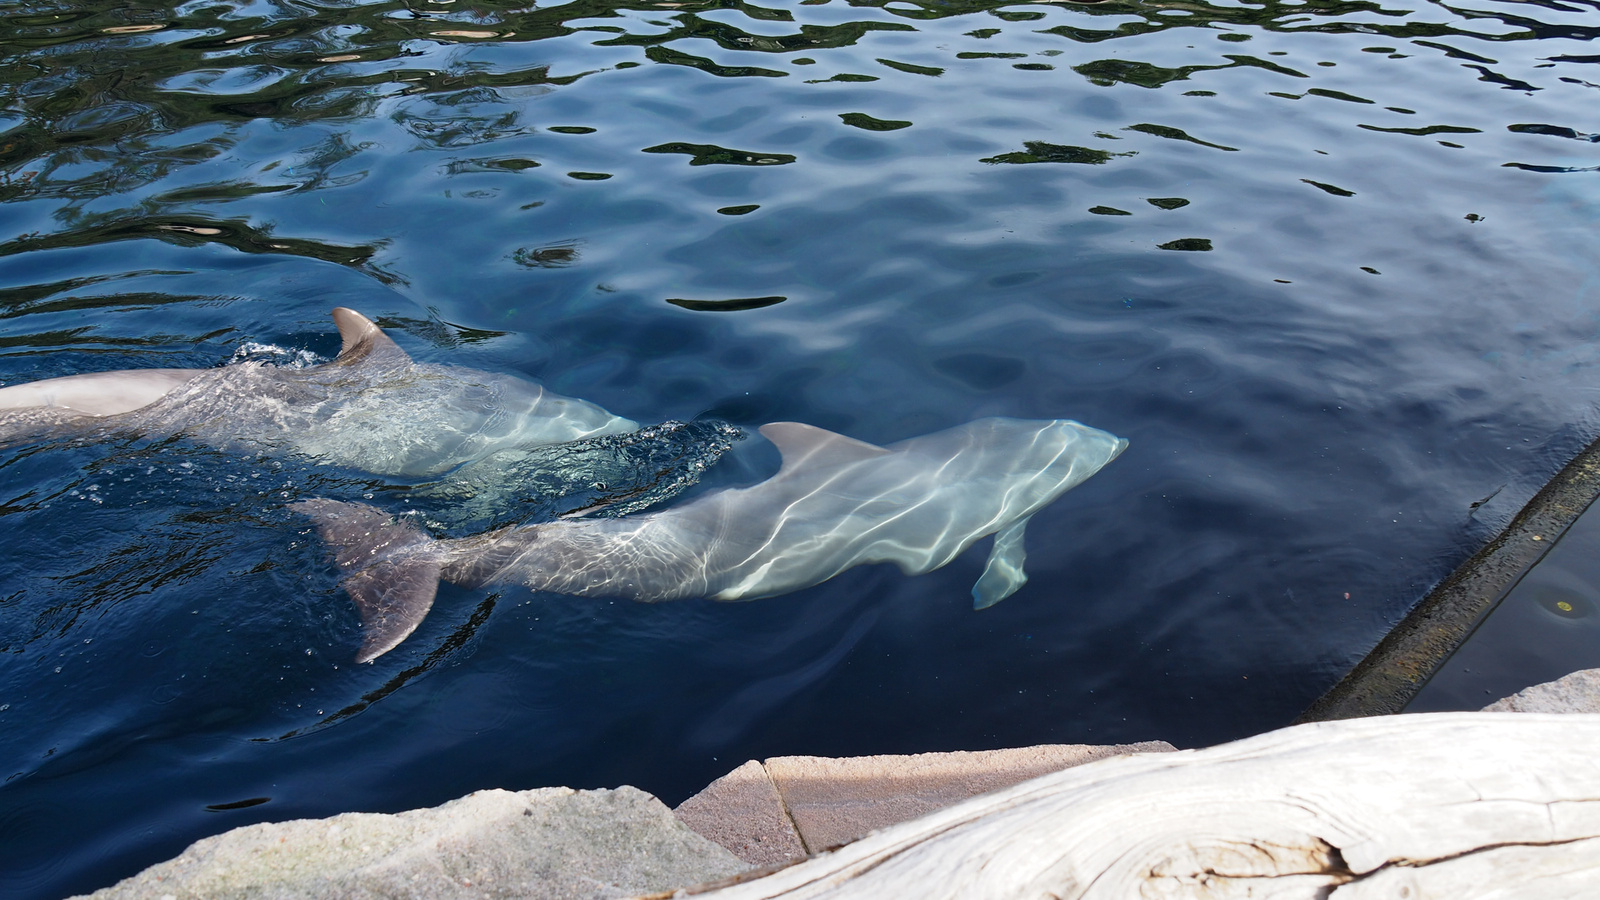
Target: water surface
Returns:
[[1328, 265]]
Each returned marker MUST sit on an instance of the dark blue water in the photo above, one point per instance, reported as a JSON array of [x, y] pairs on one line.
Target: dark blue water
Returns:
[[1545, 627], [1330, 266]]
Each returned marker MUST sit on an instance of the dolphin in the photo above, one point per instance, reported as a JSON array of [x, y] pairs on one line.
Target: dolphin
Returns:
[[373, 408], [834, 503]]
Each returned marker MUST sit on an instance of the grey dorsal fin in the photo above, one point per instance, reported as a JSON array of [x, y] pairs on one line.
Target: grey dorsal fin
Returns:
[[813, 446], [363, 340]]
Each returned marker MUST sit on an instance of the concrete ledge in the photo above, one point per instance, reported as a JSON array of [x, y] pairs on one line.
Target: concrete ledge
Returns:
[[743, 812], [786, 808]]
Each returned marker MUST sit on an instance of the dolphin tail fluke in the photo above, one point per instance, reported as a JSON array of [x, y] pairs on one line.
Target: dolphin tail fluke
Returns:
[[393, 569], [1003, 574]]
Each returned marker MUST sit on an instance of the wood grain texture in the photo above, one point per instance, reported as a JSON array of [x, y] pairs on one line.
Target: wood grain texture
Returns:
[[1448, 805]]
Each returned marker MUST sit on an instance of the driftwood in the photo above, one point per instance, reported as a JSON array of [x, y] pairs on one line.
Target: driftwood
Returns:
[[1449, 806]]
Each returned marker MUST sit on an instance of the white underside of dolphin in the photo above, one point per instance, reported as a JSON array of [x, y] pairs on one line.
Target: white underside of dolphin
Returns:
[[835, 503], [372, 408]]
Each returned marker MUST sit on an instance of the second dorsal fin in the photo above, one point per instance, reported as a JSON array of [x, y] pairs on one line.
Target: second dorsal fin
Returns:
[[363, 341], [800, 443]]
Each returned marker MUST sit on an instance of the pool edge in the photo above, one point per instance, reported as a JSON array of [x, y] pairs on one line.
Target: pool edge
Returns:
[[1402, 662]]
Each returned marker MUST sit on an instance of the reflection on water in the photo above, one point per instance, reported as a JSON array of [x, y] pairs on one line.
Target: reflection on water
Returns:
[[1328, 265]]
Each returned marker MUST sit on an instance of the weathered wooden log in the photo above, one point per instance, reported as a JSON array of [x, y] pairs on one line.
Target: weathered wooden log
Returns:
[[1448, 805]]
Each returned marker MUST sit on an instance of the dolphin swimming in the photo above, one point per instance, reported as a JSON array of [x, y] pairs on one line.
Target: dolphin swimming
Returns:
[[834, 503], [373, 408]]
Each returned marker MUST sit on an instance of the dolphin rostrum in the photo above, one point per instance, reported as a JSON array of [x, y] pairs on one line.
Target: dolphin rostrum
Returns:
[[835, 503], [372, 408]]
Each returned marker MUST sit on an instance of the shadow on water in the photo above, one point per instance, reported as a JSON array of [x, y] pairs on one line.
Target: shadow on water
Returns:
[[444, 651]]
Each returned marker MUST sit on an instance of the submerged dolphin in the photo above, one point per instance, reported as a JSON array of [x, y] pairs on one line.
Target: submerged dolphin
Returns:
[[835, 503], [373, 408]]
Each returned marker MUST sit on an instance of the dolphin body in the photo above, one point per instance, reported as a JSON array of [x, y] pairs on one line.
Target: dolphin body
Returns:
[[835, 503], [373, 408]]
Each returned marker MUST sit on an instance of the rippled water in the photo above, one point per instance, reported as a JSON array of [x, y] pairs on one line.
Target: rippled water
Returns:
[[1329, 265]]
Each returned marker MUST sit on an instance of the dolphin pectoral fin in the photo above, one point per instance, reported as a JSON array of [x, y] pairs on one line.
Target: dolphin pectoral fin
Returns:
[[393, 598], [1003, 574], [394, 567], [362, 341]]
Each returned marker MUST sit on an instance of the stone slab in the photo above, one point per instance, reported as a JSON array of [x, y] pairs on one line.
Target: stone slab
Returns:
[[743, 812], [553, 843], [835, 801], [1575, 693]]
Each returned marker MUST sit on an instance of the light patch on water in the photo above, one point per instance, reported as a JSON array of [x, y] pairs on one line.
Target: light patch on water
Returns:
[[272, 354]]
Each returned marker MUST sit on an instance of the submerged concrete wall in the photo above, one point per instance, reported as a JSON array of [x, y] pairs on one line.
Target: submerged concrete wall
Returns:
[[1403, 661]]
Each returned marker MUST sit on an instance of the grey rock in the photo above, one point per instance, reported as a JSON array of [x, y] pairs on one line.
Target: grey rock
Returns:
[[553, 843], [1576, 693]]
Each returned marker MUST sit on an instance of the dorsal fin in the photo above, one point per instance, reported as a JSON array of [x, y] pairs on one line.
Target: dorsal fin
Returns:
[[800, 443], [363, 340]]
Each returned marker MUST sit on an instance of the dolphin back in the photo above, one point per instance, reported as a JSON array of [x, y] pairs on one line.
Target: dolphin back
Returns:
[[835, 503], [97, 393], [69, 405], [917, 503]]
